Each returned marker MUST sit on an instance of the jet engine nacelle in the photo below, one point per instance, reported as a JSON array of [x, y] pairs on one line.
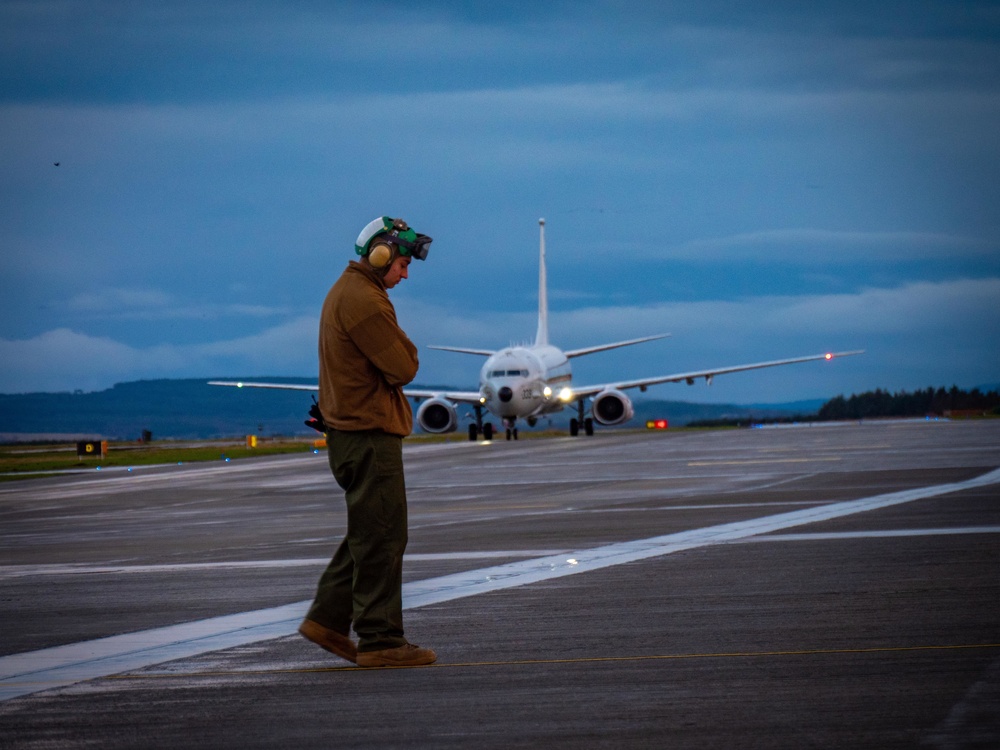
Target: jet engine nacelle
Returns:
[[612, 407], [437, 415]]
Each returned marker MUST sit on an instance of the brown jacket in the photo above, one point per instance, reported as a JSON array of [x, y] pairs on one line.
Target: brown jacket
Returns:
[[365, 359]]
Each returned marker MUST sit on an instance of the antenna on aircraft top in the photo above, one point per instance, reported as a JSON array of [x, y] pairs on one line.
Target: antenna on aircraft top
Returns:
[[542, 337]]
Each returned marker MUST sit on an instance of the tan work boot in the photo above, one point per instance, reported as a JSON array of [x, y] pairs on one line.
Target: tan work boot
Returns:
[[406, 655], [331, 640]]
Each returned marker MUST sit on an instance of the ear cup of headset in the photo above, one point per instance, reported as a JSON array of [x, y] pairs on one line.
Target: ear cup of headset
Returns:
[[380, 255]]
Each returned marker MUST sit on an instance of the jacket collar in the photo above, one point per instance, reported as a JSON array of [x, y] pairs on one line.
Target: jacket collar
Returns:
[[368, 272]]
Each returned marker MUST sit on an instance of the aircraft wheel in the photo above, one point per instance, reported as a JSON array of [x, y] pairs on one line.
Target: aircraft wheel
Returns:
[[473, 432], [488, 431], [515, 433], [574, 427], [508, 433], [588, 426]]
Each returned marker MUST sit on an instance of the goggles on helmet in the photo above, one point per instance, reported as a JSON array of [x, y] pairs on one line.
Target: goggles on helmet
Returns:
[[417, 248]]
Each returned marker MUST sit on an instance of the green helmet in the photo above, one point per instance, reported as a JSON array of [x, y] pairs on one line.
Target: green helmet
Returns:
[[399, 234]]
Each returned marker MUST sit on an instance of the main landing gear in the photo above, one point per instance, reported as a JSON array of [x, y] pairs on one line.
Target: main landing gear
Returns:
[[487, 432], [579, 421], [510, 425], [478, 427]]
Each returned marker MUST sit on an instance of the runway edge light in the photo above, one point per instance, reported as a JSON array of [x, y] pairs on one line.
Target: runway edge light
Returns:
[[656, 424]]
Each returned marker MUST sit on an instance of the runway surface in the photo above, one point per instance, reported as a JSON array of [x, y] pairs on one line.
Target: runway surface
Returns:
[[823, 586]]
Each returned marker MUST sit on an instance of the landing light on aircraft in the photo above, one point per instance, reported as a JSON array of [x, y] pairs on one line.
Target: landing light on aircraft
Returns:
[[565, 395], [547, 392]]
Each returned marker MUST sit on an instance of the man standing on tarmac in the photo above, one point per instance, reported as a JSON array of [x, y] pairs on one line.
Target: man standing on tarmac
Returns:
[[365, 359]]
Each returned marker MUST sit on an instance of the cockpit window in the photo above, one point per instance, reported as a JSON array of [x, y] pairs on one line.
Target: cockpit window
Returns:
[[509, 374]]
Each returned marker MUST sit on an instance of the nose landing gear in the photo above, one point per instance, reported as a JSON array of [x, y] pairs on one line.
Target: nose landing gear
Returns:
[[511, 426]]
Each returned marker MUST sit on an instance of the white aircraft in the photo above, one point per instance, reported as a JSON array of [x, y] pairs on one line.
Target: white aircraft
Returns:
[[530, 381]]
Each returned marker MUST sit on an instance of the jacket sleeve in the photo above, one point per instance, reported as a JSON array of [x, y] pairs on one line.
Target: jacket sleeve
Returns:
[[383, 342]]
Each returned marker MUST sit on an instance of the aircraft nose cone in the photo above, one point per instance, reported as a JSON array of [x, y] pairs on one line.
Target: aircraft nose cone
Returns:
[[505, 394]]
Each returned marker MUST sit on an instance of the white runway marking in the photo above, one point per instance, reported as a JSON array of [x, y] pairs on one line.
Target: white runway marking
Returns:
[[872, 534], [22, 674], [23, 571]]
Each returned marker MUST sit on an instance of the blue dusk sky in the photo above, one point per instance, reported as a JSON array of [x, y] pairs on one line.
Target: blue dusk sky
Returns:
[[761, 180]]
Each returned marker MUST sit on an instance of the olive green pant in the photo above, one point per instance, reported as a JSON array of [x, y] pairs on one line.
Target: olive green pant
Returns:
[[363, 583]]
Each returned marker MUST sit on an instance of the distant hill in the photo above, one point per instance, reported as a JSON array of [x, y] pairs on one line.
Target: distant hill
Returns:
[[192, 409], [184, 409]]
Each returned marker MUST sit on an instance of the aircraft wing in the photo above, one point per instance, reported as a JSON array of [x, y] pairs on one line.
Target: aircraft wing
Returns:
[[278, 386], [460, 397], [466, 397], [690, 377]]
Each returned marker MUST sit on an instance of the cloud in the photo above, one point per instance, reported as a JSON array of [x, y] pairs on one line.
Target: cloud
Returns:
[[827, 247], [287, 349], [185, 51], [916, 335], [65, 360], [155, 304], [119, 300], [960, 309]]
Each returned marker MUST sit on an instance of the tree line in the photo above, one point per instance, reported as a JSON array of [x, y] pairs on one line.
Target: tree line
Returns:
[[937, 402], [928, 402]]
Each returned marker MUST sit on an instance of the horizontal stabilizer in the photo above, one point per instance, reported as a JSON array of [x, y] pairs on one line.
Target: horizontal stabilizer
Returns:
[[617, 344], [463, 350]]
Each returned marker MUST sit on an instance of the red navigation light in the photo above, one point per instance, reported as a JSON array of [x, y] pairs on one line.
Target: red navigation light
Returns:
[[829, 356], [656, 424]]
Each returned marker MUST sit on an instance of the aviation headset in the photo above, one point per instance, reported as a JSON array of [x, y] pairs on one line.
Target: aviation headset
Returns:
[[380, 239]]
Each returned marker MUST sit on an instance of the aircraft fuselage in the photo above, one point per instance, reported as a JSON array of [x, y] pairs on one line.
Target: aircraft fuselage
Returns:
[[525, 381]]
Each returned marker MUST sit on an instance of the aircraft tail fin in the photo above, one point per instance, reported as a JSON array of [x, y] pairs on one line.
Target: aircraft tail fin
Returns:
[[542, 337]]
